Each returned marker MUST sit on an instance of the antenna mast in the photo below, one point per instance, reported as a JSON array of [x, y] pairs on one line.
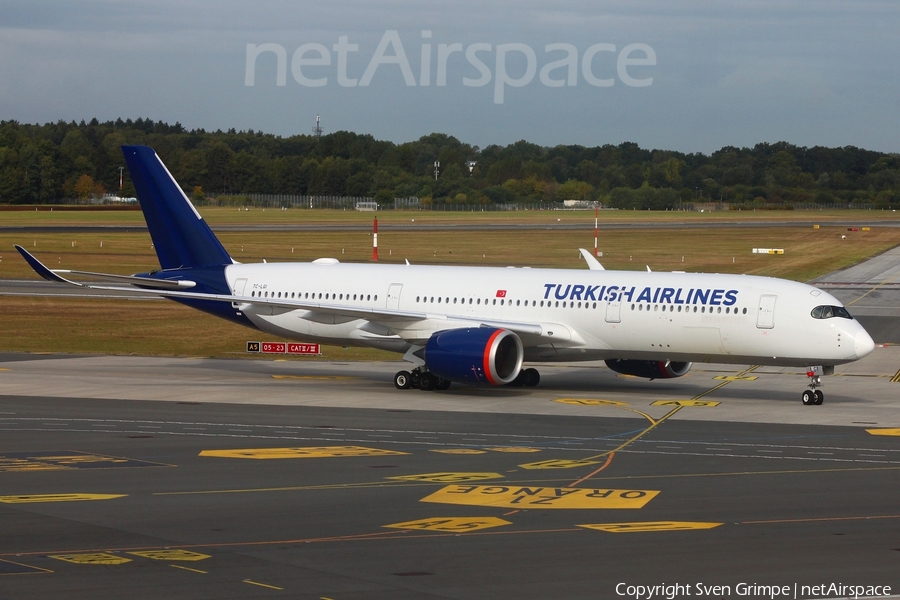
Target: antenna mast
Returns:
[[317, 130]]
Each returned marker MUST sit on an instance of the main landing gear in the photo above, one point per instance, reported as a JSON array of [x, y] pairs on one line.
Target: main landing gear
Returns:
[[421, 379], [813, 395], [527, 377]]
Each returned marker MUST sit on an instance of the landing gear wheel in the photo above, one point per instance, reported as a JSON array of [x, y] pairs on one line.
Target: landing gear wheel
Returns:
[[519, 381], [442, 384], [427, 381], [531, 377], [820, 397], [809, 397], [402, 380]]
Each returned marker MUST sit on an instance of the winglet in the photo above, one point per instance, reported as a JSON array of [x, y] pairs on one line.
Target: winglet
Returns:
[[593, 263], [40, 269]]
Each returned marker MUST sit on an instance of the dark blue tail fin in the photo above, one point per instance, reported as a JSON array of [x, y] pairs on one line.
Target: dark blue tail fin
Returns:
[[180, 235]]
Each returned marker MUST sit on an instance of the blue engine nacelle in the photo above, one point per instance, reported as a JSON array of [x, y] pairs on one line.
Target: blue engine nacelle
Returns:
[[476, 355], [651, 369]]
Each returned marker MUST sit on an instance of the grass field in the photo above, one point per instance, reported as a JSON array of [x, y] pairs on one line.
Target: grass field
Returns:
[[156, 327]]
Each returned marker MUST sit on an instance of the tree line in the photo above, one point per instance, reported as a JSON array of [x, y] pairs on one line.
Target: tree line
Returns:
[[49, 162]]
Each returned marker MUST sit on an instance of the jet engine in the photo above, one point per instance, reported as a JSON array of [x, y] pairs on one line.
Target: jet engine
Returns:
[[651, 369], [475, 355]]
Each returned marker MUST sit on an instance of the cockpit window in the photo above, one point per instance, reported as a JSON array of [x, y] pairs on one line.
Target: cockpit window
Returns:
[[827, 312]]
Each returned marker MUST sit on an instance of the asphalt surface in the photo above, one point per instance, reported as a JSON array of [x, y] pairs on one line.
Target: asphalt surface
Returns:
[[244, 479], [369, 503]]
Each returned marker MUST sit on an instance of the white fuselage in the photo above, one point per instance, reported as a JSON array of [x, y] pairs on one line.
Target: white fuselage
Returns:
[[559, 314]]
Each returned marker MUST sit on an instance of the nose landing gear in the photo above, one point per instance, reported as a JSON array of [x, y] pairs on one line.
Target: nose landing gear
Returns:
[[813, 395]]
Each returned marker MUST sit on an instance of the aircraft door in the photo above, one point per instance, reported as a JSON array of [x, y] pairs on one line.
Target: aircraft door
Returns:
[[765, 318], [238, 288], [393, 296], [613, 311]]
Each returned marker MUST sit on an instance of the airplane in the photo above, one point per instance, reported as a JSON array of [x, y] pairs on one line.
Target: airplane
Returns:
[[480, 325]]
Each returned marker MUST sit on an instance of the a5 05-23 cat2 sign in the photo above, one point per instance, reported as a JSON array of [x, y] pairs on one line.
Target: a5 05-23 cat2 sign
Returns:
[[284, 348]]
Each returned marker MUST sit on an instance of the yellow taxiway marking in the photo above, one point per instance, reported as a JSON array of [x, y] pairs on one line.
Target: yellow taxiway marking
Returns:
[[66, 461], [27, 499], [590, 402], [92, 558], [650, 526], [265, 585], [452, 524], [460, 451], [514, 449], [310, 452], [189, 569], [817, 519], [31, 570], [736, 377], [654, 423], [515, 496], [320, 377], [685, 403], [893, 431], [185, 555], [448, 477], [558, 463], [886, 281]]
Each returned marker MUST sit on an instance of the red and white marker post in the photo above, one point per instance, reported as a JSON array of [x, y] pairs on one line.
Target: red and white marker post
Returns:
[[375, 240]]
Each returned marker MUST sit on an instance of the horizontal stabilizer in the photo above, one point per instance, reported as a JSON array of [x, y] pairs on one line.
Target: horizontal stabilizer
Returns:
[[148, 282], [145, 282]]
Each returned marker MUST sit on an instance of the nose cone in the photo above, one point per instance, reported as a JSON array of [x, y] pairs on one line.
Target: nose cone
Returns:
[[863, 343]]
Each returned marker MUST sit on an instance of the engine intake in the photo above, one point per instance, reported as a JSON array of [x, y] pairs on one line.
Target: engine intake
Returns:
[[475, 355], [651, 369]]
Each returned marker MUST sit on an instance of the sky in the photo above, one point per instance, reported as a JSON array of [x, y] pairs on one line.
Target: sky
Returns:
[[690, 76]]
